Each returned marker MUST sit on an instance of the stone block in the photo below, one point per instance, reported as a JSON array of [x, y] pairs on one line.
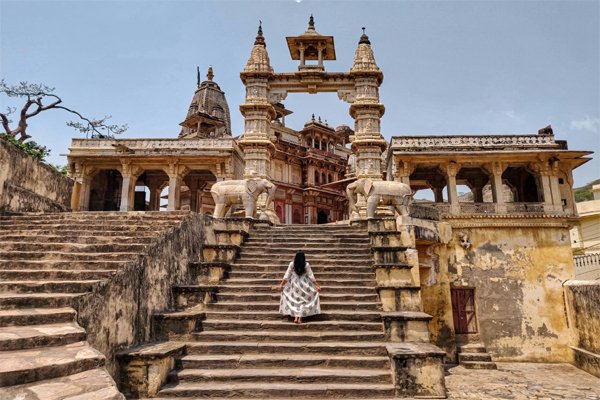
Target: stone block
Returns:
[[406, 326], [418, 370], [220, 252], [400, 298], [396, 275], [177, 325], [194, 295], [209, 272], [145, 369]]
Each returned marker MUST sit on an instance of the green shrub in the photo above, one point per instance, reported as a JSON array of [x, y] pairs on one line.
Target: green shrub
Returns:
[[35, 150]]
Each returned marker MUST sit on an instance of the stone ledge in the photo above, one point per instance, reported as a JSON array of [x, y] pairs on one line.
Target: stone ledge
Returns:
[[397, 287], [406, 316], [388, 248], [586, 360], [389, 266], [153, 351], [414, 350]]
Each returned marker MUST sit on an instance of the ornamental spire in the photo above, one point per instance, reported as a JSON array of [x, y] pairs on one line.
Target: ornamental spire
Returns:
[[210, 74], [260, 40], [311, 23], [364, 59]]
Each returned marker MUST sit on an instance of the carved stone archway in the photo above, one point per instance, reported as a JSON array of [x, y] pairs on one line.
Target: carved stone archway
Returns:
[[264, 88]]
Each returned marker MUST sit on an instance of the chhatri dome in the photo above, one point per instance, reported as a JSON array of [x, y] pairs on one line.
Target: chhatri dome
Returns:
[[208, 115]]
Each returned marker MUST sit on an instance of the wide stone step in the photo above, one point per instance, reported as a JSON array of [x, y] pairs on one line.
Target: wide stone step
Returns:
[[485, 357], [98, 215], [232, 287], [284, 375], [308, 241], [66, 256], [93, 384], [51, 274], [253, 297], [266, 325], [32, 230], [72, 247], [326, 306], [307, 247], [288, 335], [33, 316], [80, 239], [63, 286], [324, 282], [9, 301], [258, 263], [324, 252], [272, 347], [290, 360], [288, 390], [31, 336], [244, 274], [366, 316], [97, 265], [479, 365], [22, 366]]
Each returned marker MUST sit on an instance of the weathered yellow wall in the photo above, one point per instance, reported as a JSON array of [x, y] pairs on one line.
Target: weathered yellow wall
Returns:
[[518, 272], [583, 309]]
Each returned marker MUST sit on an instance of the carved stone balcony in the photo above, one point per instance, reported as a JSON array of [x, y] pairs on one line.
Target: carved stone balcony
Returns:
[[429, 210]]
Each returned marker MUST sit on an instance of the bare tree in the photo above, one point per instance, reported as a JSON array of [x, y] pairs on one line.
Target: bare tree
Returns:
[[39, 98]]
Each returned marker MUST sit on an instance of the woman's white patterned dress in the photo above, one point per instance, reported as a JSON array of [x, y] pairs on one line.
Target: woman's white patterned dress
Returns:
[[299, 297]]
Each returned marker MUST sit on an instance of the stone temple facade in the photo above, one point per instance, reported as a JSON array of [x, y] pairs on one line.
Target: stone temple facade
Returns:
[[181, 304]]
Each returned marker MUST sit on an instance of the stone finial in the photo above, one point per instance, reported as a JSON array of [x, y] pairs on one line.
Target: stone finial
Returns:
[[197, 76], [311, 23], [259, 58], [364, 59], [364, 39], [260, 40], [210, 74], [313, 116]]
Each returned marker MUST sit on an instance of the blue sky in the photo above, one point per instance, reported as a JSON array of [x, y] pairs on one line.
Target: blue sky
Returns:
[[451, 67]]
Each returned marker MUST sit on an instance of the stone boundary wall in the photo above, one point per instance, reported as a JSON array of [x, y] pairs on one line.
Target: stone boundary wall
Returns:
[[29, 185], [118, 314], [583, 310]]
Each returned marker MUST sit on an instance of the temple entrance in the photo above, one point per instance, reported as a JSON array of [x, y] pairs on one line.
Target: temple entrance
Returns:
[[322, 216]]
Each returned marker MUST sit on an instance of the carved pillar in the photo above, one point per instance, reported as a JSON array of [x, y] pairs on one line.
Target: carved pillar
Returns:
[[403, 172], [127, 190], [438, 193], [80, 197], [84, 193], [257, 143], [497, 169], [154, 197], [174, 187], [367, 111], [554, 185], [452, 169], [193, 186]]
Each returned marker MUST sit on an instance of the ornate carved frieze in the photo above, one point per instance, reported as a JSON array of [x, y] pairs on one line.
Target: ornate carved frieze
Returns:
[[428, 143]]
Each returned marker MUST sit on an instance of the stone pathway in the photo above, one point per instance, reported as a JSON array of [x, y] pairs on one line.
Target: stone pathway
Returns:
[[520, 381]]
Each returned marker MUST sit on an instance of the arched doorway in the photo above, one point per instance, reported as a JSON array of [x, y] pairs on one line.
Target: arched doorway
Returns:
[[322, 216]]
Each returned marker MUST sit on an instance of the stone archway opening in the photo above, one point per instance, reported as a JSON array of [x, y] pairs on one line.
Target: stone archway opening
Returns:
[[105, 190]]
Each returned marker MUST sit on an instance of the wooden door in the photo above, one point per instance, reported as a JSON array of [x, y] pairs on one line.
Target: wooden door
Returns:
[[463, 310]]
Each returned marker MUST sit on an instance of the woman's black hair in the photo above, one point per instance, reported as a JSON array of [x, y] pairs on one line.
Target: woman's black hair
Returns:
[[300, 263]]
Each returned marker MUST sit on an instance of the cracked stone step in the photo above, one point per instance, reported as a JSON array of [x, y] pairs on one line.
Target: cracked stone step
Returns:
[[322, 265], [301, 336], [55, 274], [231, 287], [23, 366], [44, 265], [274, 315], [284, 375], [282, 361], [34, 316], [94, 384], [479, 365], [326, 306], [33, 245], [328, 326], [66, 256], [80, 239], [62, 286], [37, 300], [31, 336], [238, 273], [31, 230], [274, 281], [251, 297], [262, 347], [269, 390]]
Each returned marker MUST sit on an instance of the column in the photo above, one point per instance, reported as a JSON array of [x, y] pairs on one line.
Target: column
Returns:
[[497, 169], [438, 193], [126, 192], [84, 199], [554, 185], [75, 195], [451, 171], [301, 49], [154, 201], [174, 191], [193, 186]]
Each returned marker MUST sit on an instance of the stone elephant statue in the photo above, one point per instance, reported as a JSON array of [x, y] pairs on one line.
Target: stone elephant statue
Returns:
[[244, 192], [376, 193]]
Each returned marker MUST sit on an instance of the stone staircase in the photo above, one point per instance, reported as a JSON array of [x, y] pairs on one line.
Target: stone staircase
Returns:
[[49, 263], [247, 349], [475, 356]]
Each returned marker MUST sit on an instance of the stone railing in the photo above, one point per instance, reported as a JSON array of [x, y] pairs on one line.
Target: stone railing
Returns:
[[425, 143], [587, 266], [127, 145], [491, 208], [423, 211]]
